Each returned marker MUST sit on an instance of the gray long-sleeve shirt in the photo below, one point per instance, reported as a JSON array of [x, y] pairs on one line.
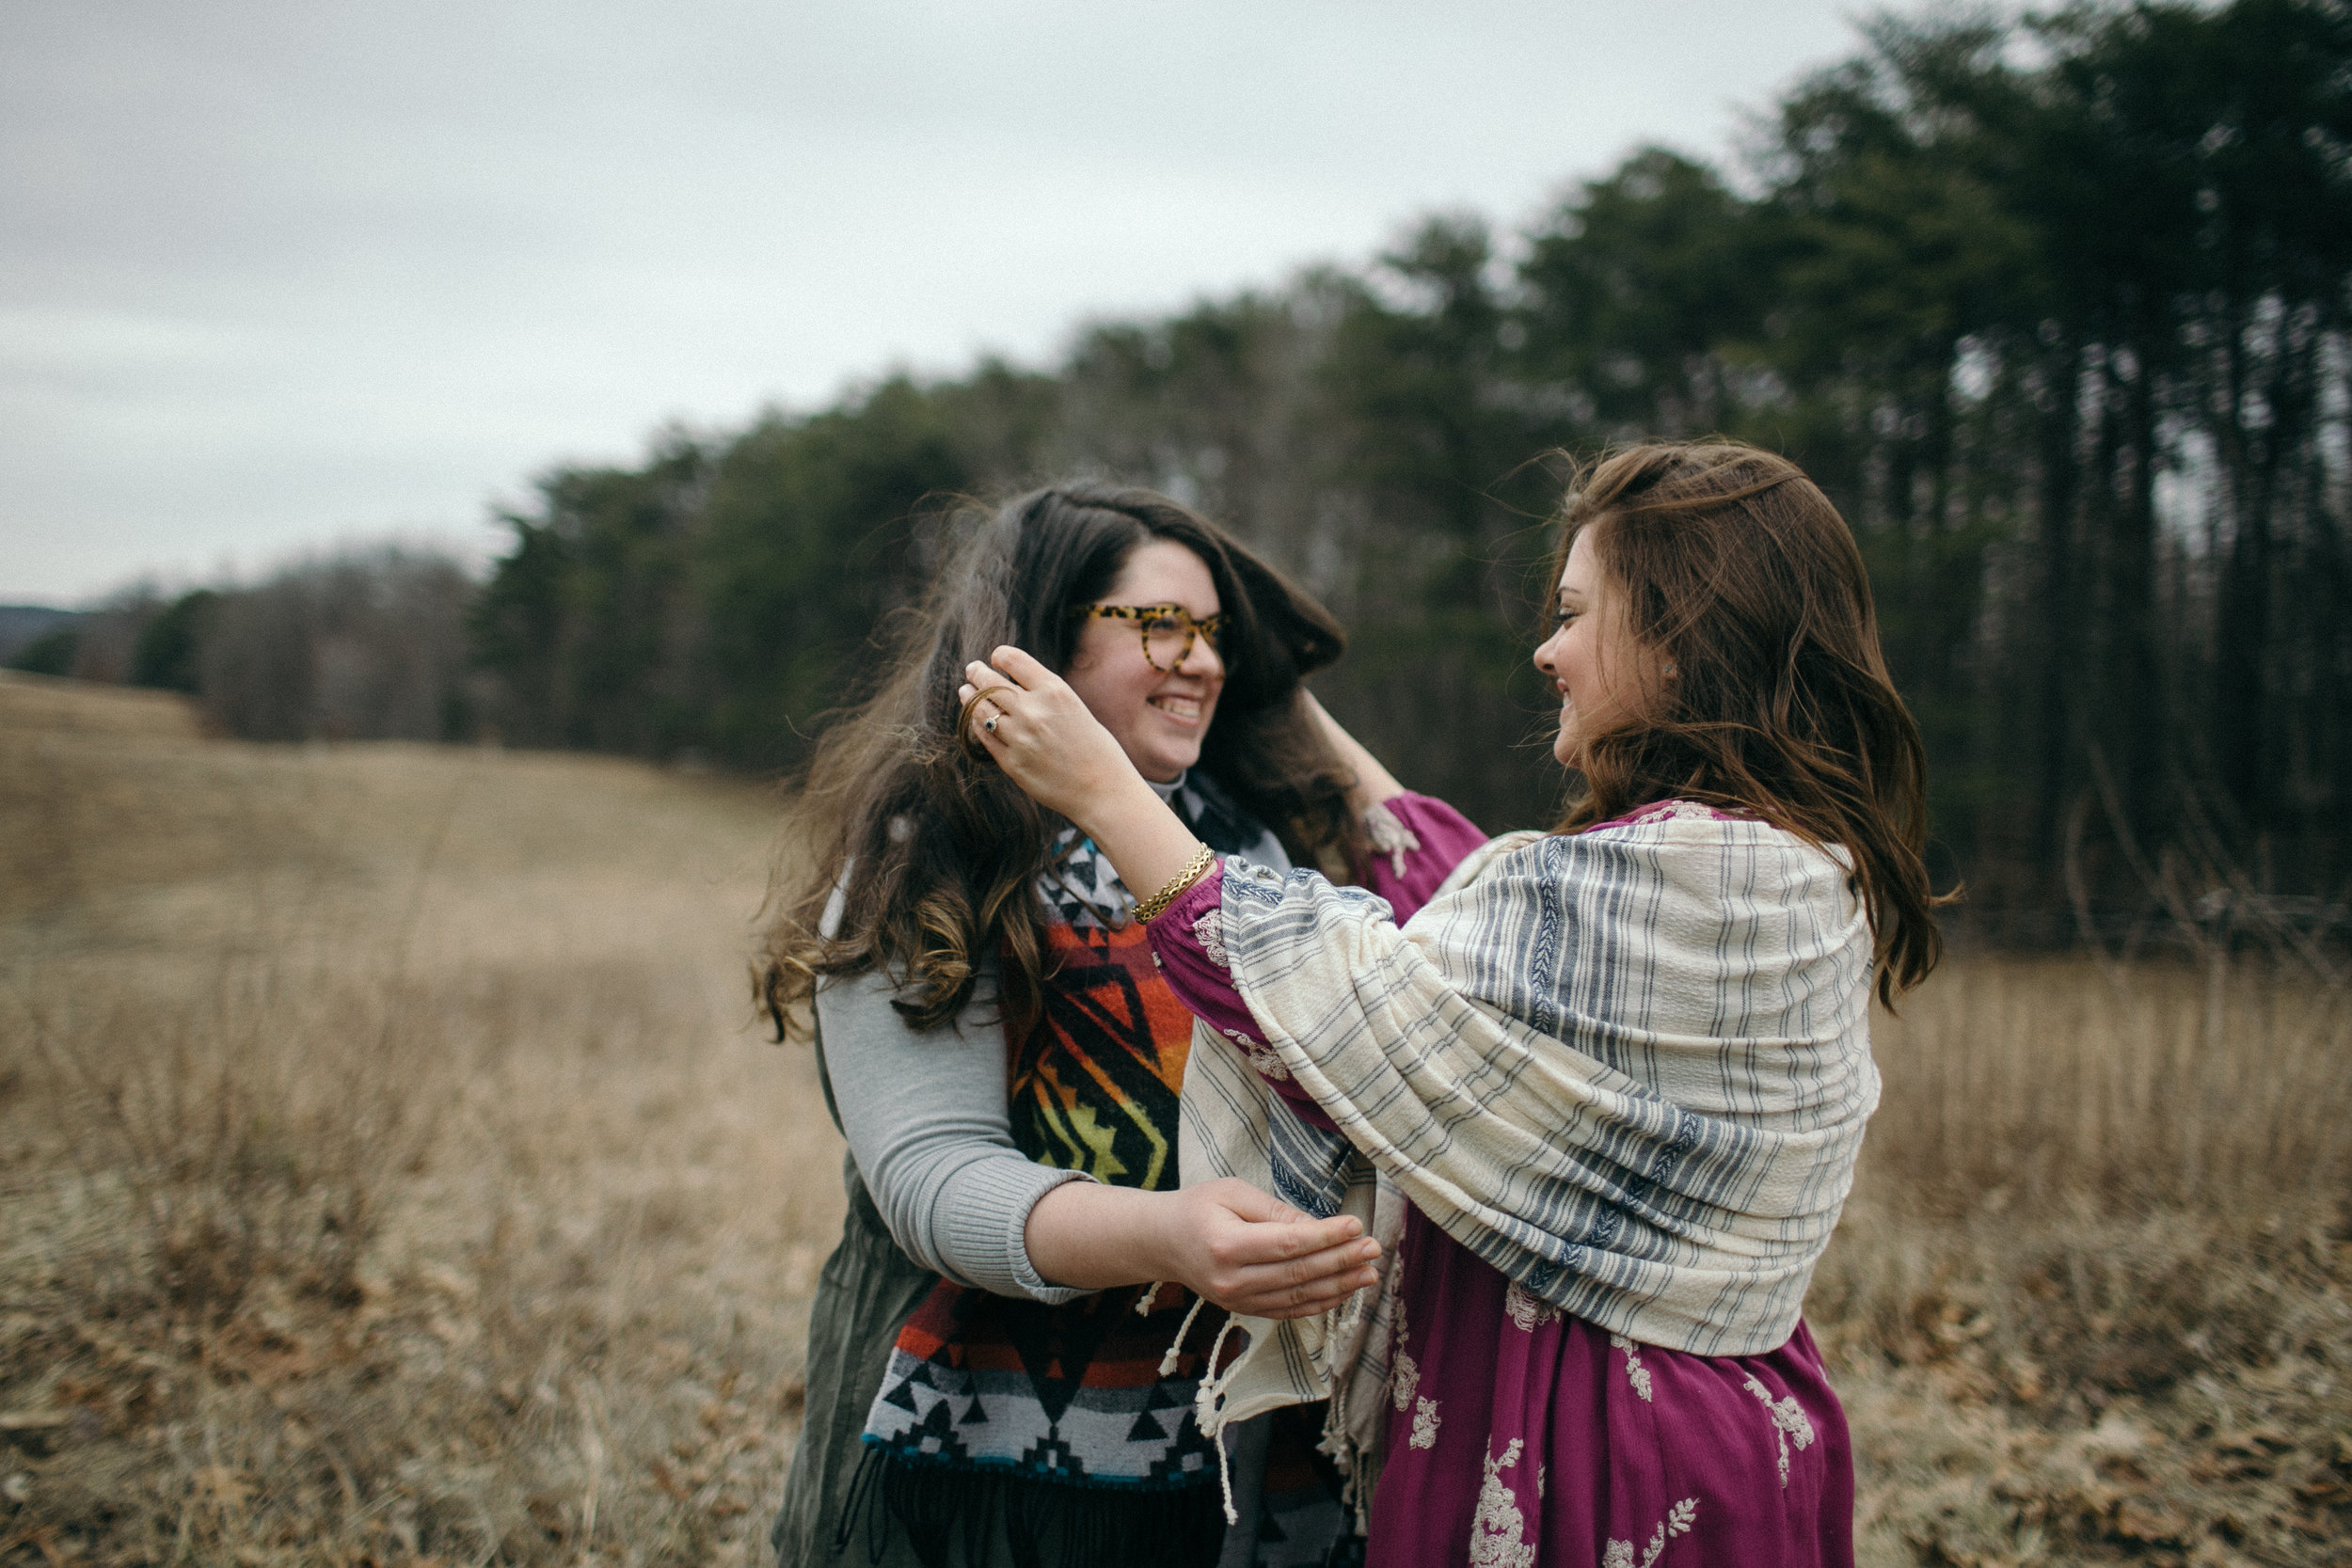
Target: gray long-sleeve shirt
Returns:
[[931, 1125]]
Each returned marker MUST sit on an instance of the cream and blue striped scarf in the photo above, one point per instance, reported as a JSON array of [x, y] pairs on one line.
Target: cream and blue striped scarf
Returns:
[[1630, 1067]]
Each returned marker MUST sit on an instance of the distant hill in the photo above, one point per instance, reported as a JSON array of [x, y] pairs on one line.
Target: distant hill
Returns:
[[52, 705], [21, 624]]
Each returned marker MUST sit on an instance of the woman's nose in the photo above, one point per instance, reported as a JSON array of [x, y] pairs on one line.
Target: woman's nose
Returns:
[[1203, 659]]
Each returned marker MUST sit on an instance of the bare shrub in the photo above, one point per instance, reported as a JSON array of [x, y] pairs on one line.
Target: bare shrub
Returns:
[[107, 635], [252, 1132], [365, 645]]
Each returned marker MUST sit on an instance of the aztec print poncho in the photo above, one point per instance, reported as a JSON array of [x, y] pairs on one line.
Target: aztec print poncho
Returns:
[[996, 1408]]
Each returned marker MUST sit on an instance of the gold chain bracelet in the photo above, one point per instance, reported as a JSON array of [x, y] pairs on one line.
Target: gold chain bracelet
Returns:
[[1177, 886]]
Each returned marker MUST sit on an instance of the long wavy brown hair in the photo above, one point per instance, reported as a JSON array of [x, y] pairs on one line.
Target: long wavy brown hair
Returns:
[[1739, 573], [935, 850]]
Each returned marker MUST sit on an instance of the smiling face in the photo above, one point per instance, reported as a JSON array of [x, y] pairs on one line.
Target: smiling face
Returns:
[[1603, 673], [1158, 717]]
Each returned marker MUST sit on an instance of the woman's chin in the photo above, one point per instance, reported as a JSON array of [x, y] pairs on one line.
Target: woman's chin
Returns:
[[1163, 764]]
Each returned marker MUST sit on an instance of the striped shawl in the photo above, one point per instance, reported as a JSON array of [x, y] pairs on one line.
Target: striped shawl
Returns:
[[1630, 1067]]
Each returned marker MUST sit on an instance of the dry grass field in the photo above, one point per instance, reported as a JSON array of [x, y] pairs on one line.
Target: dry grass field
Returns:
[[2092, 1299], [391, 1175]]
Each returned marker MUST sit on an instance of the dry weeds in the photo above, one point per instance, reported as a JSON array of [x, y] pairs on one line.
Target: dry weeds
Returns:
[[2092, 1298], [391, 1177], [392, 1173]]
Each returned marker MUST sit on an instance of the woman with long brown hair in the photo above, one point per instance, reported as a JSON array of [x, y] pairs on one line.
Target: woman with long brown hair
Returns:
[[1617, 1073], [989, 1377]]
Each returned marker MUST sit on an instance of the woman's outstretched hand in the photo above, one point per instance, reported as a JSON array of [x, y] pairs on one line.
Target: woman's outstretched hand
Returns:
[[1244, 1249], [1249, 1252], [1044, 737]]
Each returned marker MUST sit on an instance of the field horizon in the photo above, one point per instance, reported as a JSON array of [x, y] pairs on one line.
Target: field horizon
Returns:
[[395, 1175]]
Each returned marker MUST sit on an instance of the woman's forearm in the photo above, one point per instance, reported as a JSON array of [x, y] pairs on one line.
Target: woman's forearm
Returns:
[[1095, 1236], [1060, 753], [1043, 736], [1243, 1249], [1148, 843], [1374, 784]]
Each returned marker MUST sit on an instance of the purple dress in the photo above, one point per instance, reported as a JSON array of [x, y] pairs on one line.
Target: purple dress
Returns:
[[1520, 1437]]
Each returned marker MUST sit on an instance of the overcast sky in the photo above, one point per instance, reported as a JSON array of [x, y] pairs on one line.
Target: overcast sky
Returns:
[[277, 274]]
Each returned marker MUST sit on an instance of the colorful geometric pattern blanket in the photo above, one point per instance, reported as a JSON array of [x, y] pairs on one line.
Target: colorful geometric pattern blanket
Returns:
[[1629, 1068], [1000, 1408]]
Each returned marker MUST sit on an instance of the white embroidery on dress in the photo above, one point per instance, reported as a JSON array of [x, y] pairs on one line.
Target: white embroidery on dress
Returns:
[[1403, 1378], [1389, 836], [1424, 1425], [1209, 931], [1526, 1310], [1404, 1372], [1619, 1554], [1789, 1422], [1499, 1529], [1542, 1473], [1676, 810], [1635, 1372], [1264, 1059]]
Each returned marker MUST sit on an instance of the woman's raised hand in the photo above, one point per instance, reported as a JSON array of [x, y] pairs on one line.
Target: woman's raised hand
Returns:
[[1044, 737], [1041, 734]]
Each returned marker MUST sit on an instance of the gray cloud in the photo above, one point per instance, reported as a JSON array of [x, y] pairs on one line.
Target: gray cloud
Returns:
[[276, 272]]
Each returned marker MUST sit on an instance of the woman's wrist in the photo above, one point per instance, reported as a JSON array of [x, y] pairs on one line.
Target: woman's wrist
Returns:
[[1118, 800], [1090, 1236], [1148, 843]]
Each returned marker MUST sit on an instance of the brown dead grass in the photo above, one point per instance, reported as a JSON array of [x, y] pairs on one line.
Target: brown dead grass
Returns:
[[391, 1172], [2092, 1298], [391, 1176]]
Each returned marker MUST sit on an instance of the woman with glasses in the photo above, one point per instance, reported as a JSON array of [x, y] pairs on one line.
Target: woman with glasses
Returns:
[[999, 1370]]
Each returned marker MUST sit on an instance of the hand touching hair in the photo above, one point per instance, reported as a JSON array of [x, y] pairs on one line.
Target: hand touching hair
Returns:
[[931, 851]]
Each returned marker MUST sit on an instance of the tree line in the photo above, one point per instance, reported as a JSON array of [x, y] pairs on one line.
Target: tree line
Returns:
[[2054, 307], [368, 643]]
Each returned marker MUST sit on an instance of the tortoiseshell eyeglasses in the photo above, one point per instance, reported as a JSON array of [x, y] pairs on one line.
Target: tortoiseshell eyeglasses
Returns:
[[1168, 630]]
